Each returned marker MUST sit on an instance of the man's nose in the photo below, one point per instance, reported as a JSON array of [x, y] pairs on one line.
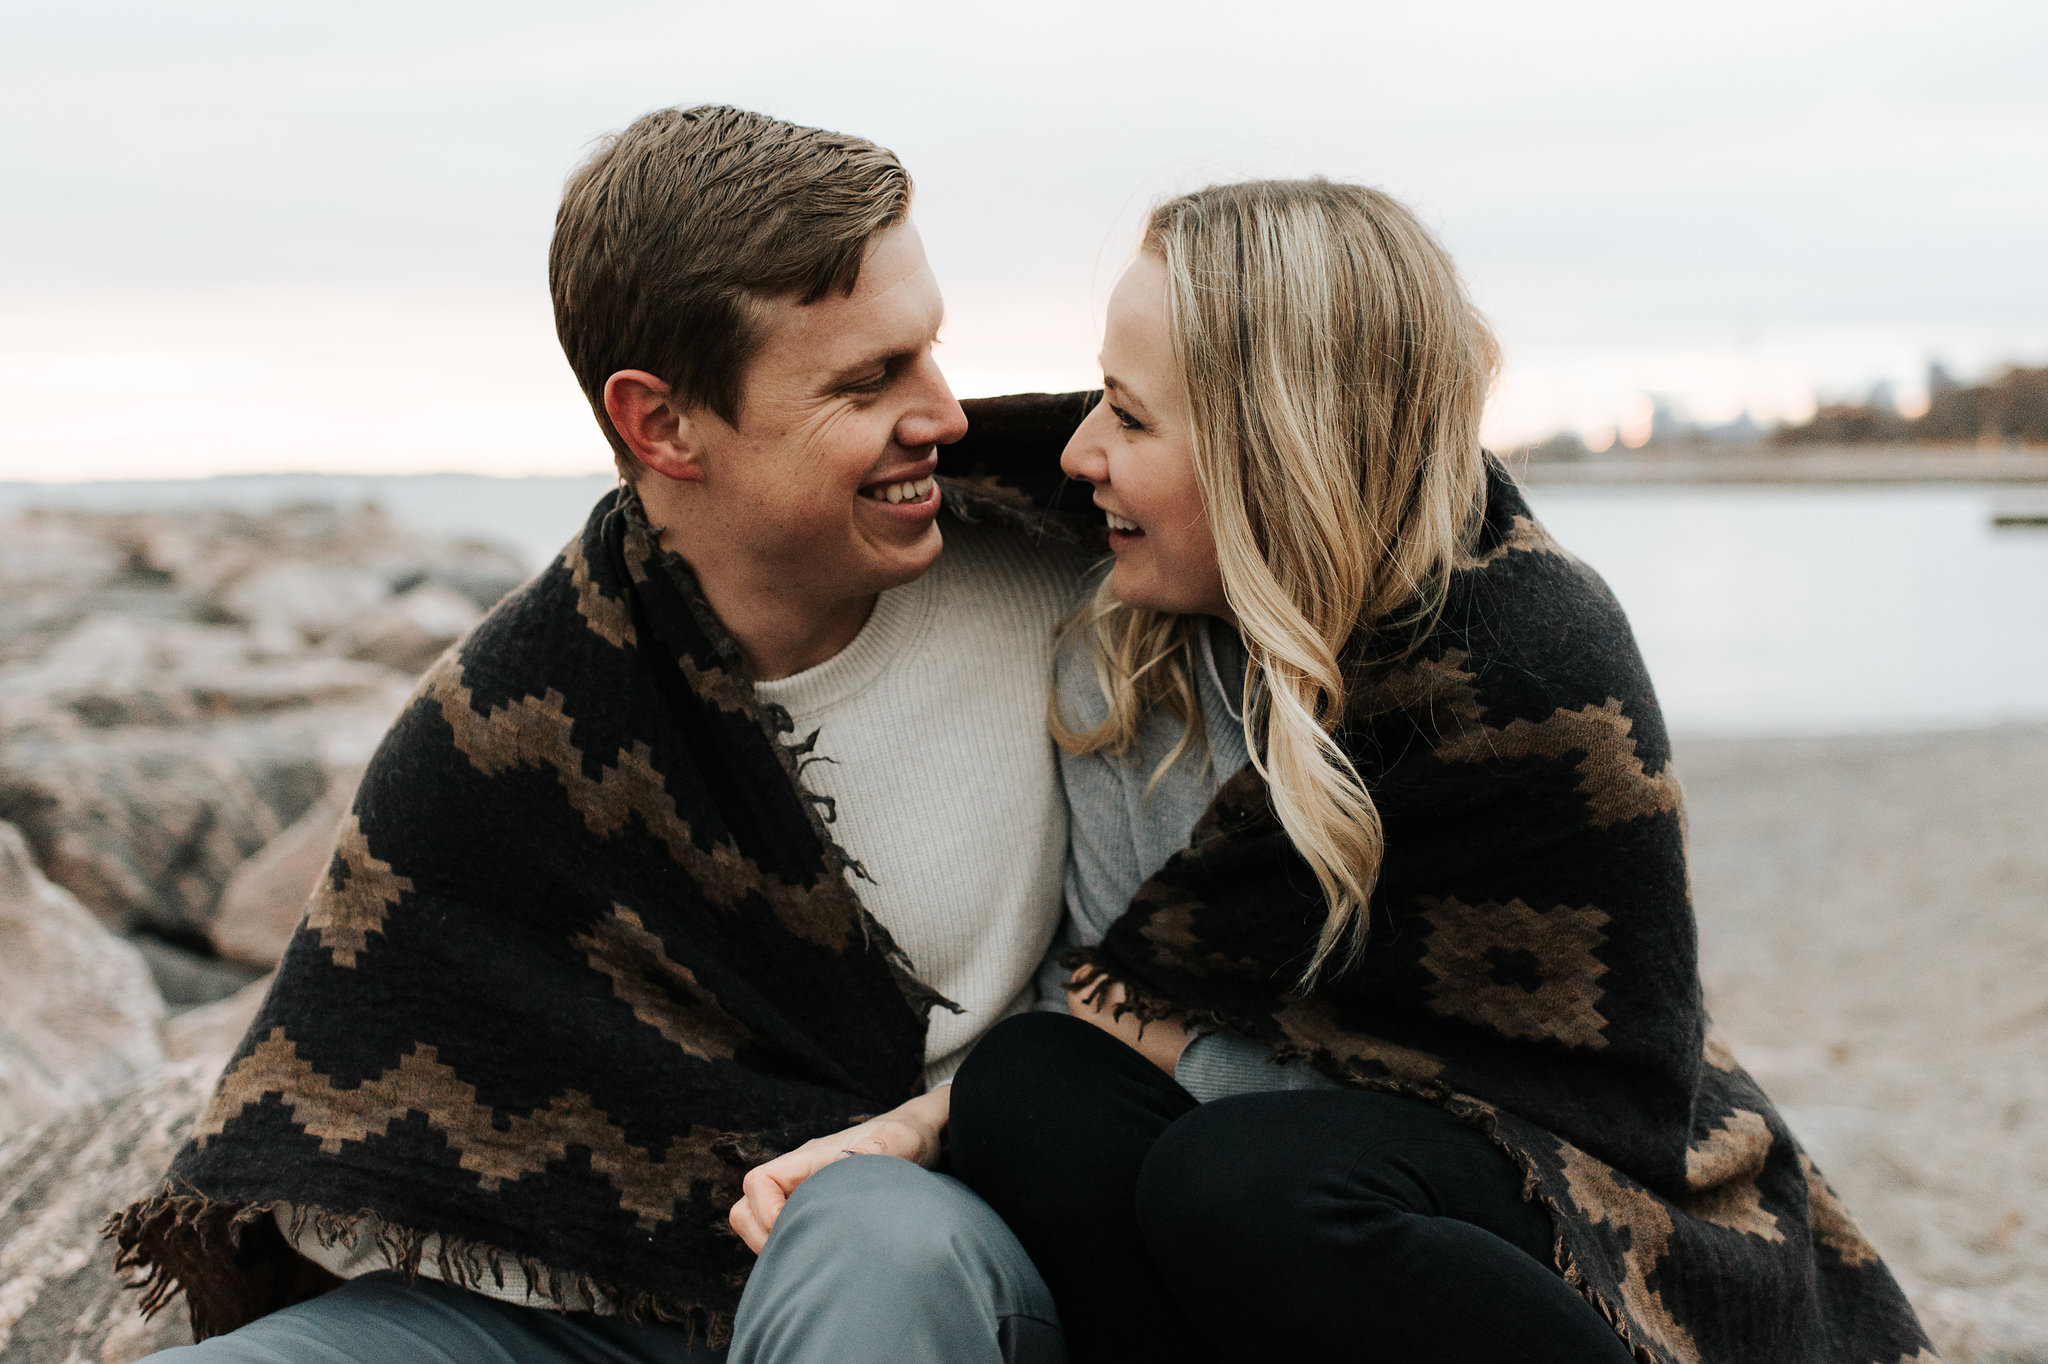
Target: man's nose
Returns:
[[935, 418]]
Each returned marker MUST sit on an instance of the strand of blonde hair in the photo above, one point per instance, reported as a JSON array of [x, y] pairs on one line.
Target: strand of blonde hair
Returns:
[[1335, 374]]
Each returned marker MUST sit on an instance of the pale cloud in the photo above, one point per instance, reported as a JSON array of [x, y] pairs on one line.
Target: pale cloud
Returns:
[[1739, 205]]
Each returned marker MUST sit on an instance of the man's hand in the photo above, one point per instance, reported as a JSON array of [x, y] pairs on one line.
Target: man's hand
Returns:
[[914, 1131], [1160, 1041]]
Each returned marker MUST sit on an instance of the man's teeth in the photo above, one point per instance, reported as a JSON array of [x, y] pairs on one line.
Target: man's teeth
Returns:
[[1119, 523], [913, 491]]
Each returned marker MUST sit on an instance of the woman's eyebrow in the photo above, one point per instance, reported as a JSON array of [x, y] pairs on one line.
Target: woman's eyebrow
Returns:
[[1124, 394]]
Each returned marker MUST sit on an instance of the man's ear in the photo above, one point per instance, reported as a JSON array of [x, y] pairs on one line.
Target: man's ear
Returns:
[[661, 437]]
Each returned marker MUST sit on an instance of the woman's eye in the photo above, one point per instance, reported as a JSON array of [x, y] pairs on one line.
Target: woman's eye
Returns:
[[1125, 419]]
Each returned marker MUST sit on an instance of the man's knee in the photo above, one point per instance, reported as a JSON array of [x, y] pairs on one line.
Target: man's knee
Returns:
[[891, 1206], [902, 1263], [884, 1221]]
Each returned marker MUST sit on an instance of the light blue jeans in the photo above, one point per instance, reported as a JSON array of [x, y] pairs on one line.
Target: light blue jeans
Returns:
[[873, 1261]]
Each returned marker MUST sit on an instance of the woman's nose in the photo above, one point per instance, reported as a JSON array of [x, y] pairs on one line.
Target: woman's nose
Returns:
[[1085, 458]]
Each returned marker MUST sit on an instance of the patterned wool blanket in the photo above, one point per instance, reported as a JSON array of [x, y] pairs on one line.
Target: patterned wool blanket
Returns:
[[585, 954], [1531, 967]]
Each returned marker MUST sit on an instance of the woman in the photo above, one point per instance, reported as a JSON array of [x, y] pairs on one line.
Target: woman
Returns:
[[1376, 851]]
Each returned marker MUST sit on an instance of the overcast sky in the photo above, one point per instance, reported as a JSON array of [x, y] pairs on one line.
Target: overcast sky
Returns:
[[253, 236]]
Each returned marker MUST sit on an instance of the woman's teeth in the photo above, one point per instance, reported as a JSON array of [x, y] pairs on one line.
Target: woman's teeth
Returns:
[[913, 491], [1119, 523]]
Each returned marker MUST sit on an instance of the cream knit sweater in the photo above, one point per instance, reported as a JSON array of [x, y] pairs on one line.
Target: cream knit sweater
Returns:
[[944, 776]]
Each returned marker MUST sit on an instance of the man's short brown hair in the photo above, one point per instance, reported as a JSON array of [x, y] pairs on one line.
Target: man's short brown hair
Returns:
[[674, 230]]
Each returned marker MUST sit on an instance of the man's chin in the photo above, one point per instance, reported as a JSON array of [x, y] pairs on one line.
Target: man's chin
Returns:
[[910, 562]]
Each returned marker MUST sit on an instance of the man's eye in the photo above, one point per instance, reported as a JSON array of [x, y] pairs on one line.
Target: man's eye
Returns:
[[870, 386]]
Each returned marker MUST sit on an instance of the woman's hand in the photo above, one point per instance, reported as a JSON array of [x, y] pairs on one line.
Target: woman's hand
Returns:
[[914, 1131], [1161, 1041]]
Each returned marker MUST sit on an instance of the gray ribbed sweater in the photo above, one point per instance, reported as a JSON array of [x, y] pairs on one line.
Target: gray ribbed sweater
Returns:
[[1118, 835]]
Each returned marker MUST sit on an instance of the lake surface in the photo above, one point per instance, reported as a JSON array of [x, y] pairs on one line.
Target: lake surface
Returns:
[[1818, 610], [1760, 610]]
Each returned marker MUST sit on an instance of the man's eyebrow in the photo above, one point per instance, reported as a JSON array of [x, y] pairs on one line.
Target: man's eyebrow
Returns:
[[888, 362]]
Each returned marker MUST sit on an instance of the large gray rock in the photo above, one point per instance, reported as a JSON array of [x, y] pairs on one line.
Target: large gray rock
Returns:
[[171, 685], [409, 631], [115, 670], [61, 1299], [265, 899], [79, 1019], [50, 567], [146, 824]]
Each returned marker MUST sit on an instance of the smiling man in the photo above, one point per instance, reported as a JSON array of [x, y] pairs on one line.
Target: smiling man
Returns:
[[695, 870]]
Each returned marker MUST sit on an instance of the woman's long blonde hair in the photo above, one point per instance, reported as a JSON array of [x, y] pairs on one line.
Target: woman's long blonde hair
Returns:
[[1335, 373]]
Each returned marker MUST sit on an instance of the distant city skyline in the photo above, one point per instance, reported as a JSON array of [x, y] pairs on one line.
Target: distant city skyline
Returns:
[[249, 238]]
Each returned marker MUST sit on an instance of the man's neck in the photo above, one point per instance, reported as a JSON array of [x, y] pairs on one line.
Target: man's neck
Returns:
[[779, 633]]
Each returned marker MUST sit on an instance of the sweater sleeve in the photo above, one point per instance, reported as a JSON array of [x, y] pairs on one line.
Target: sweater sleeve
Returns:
[[1223, 1064], [1104, 864]]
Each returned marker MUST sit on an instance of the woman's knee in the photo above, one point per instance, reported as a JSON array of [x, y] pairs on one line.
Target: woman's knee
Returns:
[[1020, 1078], [1024, 1053], [1249, 1180], [1209, 1181]]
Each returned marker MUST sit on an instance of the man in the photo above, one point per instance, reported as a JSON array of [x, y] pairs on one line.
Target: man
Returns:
[[589, 981]]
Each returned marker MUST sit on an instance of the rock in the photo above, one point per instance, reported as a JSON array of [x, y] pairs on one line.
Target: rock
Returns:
[[49, 566], [112, 671], [1969, 1329], [79, 1018], [189, 977], [145, 824], [409, 631], [265, 899], [61, 1299], [179, 694], [312, 599], [215, 1029]]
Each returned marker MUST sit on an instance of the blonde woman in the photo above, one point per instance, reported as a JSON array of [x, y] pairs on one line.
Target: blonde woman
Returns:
[[1386, 1037]]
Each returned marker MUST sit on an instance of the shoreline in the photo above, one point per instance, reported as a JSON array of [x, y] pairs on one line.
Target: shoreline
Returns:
[[1704, 465], [1776, 465]]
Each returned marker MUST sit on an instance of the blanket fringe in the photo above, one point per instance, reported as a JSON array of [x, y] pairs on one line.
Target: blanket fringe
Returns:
[[147, 1231], [1095, 982]]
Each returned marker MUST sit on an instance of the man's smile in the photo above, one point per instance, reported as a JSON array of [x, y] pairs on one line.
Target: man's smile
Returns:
[[907, 490]]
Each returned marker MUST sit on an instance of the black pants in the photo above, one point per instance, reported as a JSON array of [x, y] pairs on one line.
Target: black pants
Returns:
[[1296, 1226]]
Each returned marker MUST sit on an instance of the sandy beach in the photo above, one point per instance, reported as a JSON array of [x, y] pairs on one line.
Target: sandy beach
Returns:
[[1874, 941]]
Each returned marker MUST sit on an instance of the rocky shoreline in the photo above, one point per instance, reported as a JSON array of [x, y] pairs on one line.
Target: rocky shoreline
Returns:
[[186, 701]]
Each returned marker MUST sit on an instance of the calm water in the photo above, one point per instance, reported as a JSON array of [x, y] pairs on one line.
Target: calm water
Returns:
[[1823, 609], [1761, 610]]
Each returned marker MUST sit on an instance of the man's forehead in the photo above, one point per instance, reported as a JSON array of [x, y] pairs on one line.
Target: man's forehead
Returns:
[[900, 310]]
